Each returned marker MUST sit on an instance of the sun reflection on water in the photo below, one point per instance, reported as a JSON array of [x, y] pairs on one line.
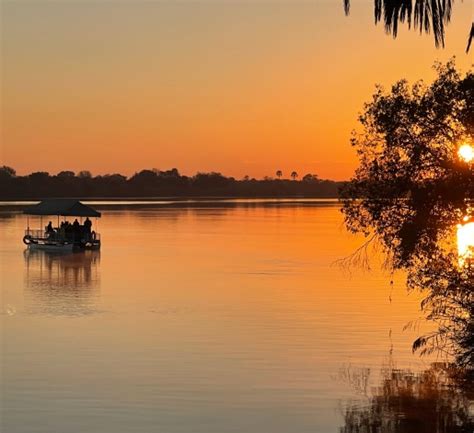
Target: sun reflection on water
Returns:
[[466, 152], [465, 241]]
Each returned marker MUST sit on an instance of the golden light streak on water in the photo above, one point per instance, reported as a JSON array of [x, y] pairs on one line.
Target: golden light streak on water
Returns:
[[465, 241], [466, 152]]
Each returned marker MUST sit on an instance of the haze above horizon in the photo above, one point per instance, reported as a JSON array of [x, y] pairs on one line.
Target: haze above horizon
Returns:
[[244, 88]]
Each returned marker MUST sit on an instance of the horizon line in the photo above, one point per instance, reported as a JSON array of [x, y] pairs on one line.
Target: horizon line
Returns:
[[88, 173]]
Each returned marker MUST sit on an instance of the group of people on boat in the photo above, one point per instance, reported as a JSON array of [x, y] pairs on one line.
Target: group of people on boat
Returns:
[[74, 231]]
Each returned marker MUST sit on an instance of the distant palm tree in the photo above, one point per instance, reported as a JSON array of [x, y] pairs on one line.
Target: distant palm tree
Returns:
[[279, 174], [426, 15], [294, 175]]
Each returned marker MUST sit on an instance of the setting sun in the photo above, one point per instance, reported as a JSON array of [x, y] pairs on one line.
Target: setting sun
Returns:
[[466, 152]]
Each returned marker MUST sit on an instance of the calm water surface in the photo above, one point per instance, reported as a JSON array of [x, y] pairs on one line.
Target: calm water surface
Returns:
[[195, 319]]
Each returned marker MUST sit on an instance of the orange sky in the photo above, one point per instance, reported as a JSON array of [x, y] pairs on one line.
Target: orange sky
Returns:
[[241, 87]]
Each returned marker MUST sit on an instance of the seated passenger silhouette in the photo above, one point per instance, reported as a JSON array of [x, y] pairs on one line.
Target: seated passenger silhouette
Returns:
[[49, 230], [76, 227], [87, 226], [68, 229]]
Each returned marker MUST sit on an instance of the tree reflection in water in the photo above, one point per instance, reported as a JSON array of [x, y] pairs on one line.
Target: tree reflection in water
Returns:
[[437, 400], [465, 241], [62, 283]]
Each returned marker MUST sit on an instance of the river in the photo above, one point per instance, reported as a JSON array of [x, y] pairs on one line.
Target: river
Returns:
[[197, 317]]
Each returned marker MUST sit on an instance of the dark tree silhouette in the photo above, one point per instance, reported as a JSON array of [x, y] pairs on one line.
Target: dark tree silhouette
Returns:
[[279, 174], [411, 190], [86, 174], [294, 175], [408, 150], [154, 183], [65, 174], [7, 171], [7, 178], [424, 15], [310, 177]]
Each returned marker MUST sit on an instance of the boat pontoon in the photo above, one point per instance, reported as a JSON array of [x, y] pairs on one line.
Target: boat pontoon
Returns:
[[65, 236]]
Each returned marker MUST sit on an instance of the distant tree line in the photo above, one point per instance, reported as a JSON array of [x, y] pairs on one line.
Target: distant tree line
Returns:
[[157, 183]]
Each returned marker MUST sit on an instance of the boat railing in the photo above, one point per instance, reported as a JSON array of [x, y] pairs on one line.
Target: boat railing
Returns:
[[61, 235], [36, 233]]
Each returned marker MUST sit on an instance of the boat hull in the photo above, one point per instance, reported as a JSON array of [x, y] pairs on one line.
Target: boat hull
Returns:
[[51, 247], [57, 246]]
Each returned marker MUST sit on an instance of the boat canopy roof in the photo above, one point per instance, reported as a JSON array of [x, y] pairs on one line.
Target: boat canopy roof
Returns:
[[62, 207]]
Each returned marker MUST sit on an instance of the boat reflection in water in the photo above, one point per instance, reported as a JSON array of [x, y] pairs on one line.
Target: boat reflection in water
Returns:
[[62, 283]]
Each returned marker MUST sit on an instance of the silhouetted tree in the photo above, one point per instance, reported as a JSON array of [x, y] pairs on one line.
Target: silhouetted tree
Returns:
[[144, 181], [7, 179], [7, 171], [310, 177], [210, 180], [408, 149], [279, 174], [411, 190], [173, 173], [425, 16], [66, 174], [154, 183], [115, 178], [294, 175], [39, 176], [85, 174]]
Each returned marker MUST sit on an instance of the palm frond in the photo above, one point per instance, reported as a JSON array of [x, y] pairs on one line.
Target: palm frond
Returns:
[[429, 16], [471, 37], [347, 6]]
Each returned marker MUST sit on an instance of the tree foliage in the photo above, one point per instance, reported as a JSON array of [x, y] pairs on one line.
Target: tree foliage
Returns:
[[155, 183], [412, 187], [410, 191]]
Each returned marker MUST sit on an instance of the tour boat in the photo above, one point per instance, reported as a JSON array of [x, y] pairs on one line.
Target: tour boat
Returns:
[[66, 236]]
